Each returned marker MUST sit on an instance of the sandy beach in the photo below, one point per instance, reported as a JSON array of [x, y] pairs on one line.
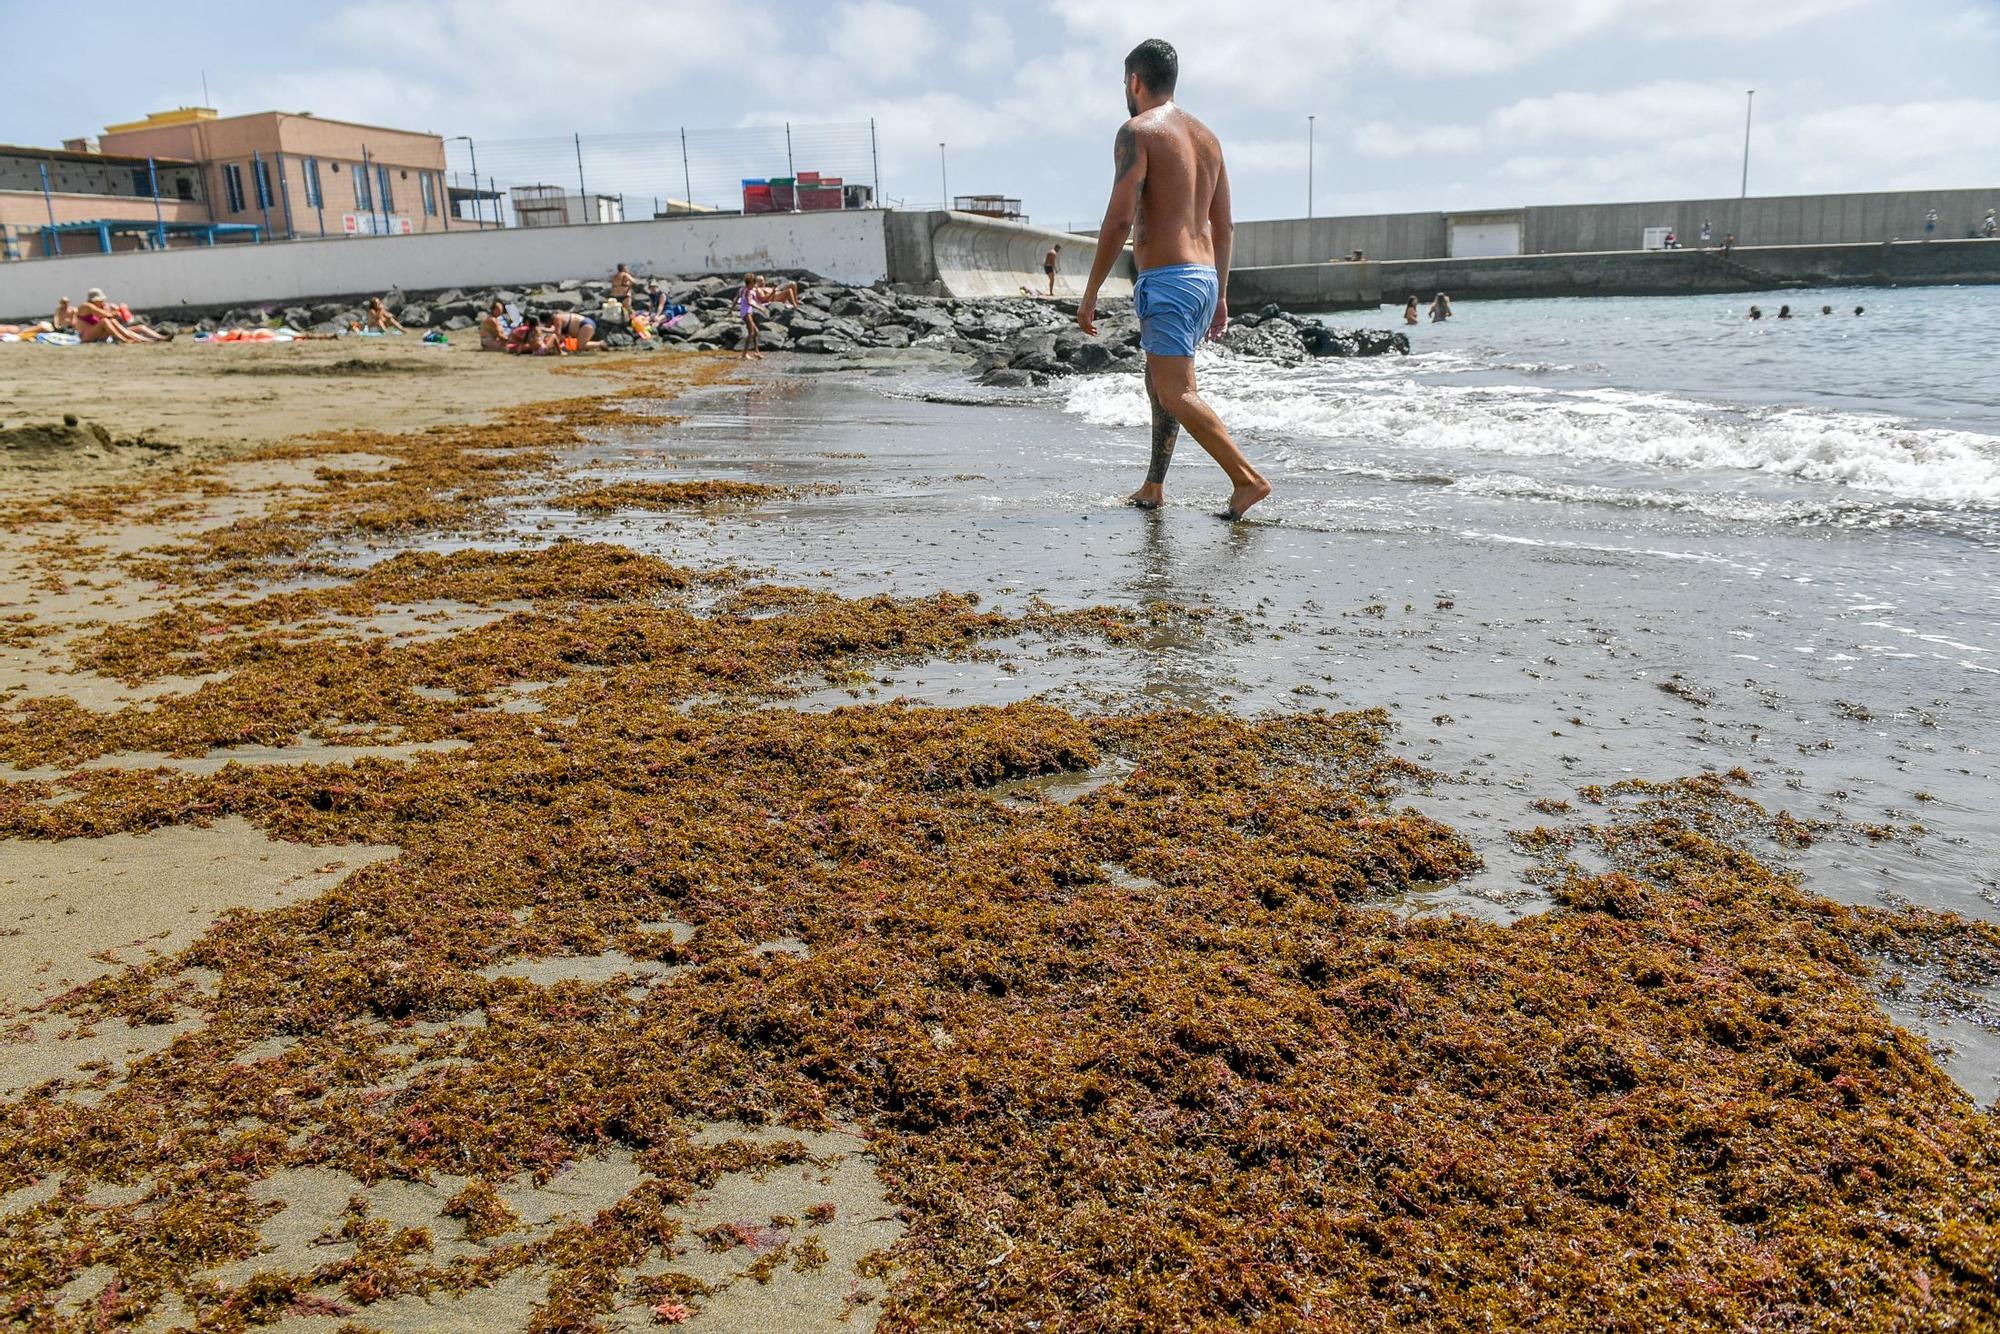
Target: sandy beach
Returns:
[[647, 842]]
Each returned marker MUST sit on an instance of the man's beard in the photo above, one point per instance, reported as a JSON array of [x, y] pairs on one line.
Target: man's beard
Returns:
[[1131, 105]]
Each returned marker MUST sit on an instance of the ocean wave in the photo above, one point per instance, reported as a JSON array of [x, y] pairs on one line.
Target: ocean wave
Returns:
[[1662, 432]]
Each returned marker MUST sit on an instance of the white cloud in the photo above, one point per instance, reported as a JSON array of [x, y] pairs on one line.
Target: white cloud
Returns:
[[878, 41]]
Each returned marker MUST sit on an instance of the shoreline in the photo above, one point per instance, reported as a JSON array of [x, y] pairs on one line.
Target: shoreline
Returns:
[[648, 898]]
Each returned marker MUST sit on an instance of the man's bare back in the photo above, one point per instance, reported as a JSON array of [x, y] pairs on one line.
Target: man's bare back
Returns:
[[1183, 167]]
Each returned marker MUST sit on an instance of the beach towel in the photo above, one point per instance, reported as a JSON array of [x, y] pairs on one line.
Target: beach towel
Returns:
[[58, 339]]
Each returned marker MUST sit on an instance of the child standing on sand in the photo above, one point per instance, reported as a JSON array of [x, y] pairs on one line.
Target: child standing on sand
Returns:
[[748, 307]]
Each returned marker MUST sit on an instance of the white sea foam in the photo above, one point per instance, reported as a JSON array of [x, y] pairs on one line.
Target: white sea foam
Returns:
[[1386, 408]]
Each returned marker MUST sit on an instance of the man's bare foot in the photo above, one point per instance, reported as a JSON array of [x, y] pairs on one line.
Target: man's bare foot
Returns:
[[1148, 497], [1244, 496]]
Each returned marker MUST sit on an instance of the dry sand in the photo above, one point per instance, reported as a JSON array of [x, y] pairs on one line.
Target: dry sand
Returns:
[[76, 910], [208, 399]]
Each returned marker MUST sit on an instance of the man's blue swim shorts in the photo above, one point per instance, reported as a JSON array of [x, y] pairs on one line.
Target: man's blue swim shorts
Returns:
[[1175, 305]]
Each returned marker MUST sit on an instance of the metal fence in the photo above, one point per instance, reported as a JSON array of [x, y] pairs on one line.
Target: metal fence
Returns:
[[516, 182]]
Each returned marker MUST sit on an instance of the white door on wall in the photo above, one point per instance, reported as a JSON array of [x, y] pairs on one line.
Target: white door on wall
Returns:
[[1477, 240]]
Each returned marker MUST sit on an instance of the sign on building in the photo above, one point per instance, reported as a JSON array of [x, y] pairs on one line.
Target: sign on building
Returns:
[[374, 224]]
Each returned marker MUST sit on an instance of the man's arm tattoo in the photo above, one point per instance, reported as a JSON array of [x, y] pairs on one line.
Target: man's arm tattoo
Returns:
[[1126, 151]]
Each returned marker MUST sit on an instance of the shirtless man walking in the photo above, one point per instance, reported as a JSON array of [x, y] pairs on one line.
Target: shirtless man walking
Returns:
[[1171, 183], [1049, 262]]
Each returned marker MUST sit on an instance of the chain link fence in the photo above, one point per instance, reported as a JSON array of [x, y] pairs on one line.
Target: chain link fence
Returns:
[[585, 178]]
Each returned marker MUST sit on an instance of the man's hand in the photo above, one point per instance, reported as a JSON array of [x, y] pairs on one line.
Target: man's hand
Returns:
[[1220, 324], [1086, 313]]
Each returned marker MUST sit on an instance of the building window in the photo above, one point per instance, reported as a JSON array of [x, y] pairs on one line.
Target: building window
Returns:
[[141, 182], [232, 185], [262, 173], [313, 197], [363, 198], [388, 195], [184, 188], [429, 181]]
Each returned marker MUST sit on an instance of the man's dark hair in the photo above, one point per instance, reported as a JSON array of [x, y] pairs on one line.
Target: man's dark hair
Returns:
[[1156, 65]]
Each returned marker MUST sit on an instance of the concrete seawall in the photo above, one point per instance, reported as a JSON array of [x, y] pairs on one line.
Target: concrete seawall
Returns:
[[1681, 272], [847, 247], [965, 255], [954, 254], [1345, 286]]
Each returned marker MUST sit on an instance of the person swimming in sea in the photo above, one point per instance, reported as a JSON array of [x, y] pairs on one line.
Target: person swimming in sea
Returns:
[[1440, 308], [1410, 311]]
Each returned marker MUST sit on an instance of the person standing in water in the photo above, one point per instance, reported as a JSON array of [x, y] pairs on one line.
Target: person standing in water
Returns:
[[1049, 266], [1440, 308], [1170, 192], [1410, 310]]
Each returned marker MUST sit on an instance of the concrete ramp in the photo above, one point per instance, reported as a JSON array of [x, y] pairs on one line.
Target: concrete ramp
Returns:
[[972, 256]]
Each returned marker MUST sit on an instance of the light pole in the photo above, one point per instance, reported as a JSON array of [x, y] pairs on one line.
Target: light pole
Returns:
[[1749, 102], [1309, 168], [477, 220], [944, 182]]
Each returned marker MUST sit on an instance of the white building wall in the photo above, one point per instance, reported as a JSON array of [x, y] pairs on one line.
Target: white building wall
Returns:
[[847, 247]]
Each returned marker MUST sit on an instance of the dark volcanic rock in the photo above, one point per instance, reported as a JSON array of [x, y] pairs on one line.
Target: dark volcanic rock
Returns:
[[1091, 358], [414, 317], [1006, 377], [1269, 340]]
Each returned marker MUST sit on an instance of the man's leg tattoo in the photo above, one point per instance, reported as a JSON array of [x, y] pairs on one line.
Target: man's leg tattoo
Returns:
[[1165, 432]]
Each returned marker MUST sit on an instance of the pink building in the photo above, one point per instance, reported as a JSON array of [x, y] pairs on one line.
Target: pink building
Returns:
[[298, 175]]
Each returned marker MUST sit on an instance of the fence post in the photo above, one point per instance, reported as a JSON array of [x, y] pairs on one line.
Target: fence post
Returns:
[[790, 168], [582, 190], [285, 197], [875, 155], [159, 218], [48, 200], [687, 180], [261, 184], [318, 184]]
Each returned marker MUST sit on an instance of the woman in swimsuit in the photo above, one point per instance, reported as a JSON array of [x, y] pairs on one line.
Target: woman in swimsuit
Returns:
[[1410, 311], [65, 320], [747, 307], [380, 320], [566, 327], [493, 329], [96, 322]]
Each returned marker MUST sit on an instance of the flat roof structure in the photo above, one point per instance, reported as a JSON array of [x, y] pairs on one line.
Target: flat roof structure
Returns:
[[104, 229]]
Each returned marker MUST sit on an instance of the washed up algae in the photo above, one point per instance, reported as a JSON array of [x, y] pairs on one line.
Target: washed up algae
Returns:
[[1164, 1056]]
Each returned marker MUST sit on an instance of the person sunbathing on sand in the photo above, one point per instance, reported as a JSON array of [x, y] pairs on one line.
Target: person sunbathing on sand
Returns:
[[528, 338], [775, 293], [571, 332], [493, 331], [378, 318], [98, 322], [65, 320]]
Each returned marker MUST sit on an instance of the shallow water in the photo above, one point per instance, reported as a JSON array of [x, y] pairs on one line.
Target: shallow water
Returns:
[[1513, 540]]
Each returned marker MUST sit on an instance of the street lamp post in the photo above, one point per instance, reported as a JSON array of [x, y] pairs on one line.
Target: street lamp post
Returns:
[[1309, 168], [944, 181], [1749, 102], [477, 219]]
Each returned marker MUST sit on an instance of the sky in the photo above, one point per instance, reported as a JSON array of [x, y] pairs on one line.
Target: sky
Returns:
[[1416, 104]]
